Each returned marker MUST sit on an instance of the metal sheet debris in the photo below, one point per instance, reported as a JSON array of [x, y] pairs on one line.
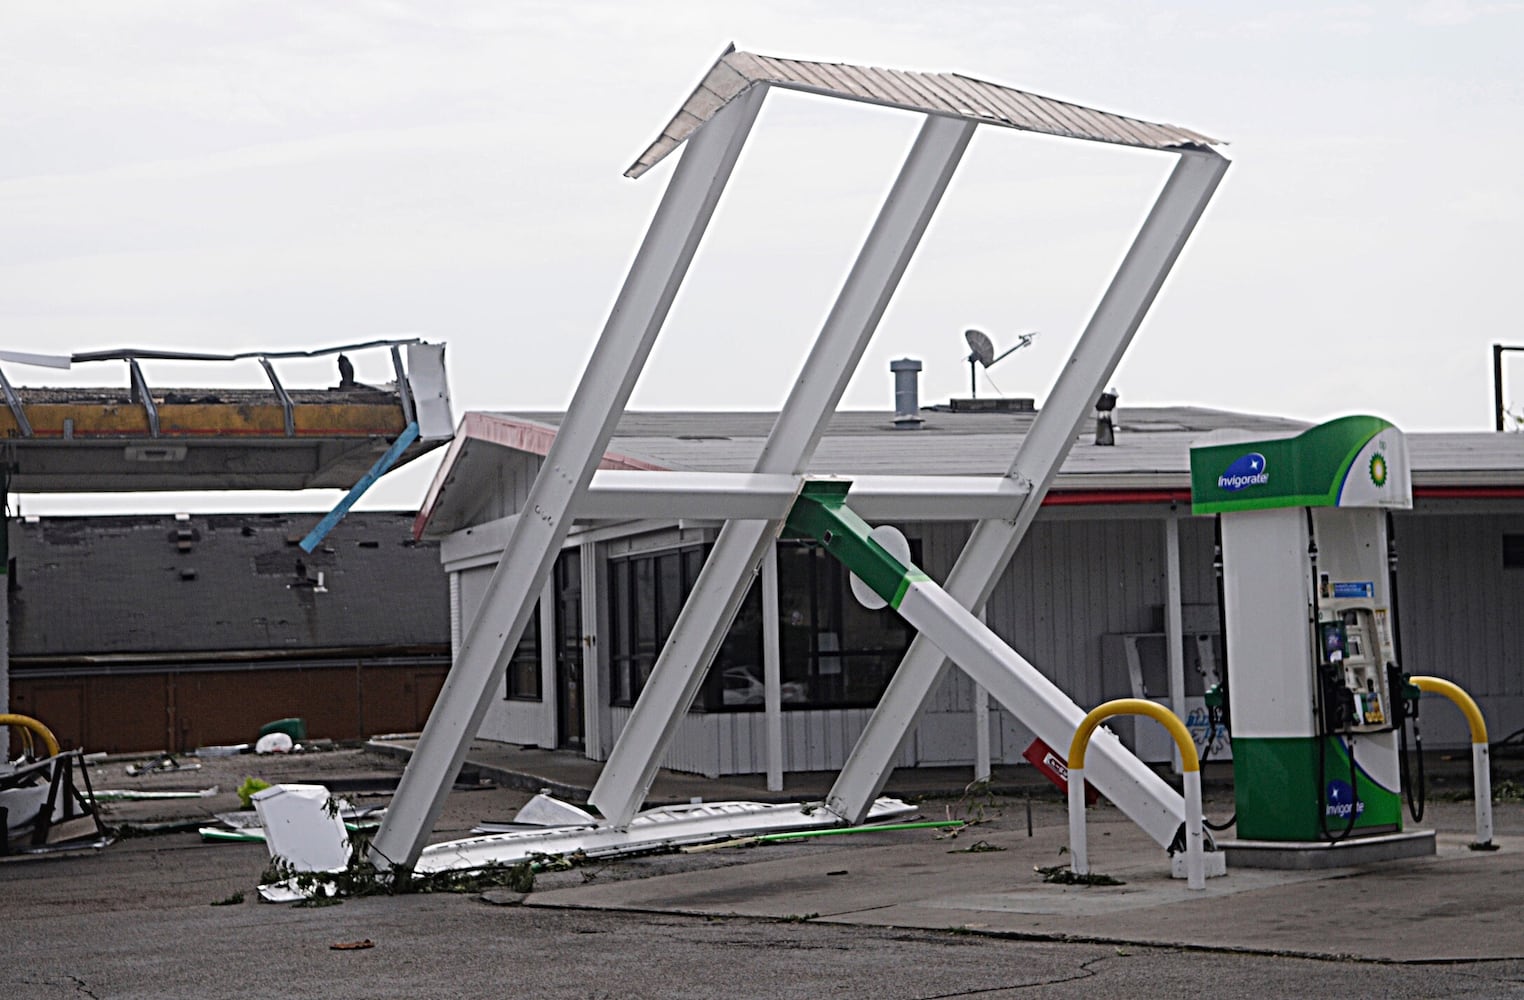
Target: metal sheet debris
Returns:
[[140, 795], [652, 829], [49, 805], [304, 833]]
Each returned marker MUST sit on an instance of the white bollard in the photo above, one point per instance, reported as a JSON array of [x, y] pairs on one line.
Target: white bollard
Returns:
[[1195, 862], [1481, 776], [1079, 859]]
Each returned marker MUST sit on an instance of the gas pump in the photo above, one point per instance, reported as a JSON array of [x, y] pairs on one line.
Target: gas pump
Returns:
[[1316, 697]]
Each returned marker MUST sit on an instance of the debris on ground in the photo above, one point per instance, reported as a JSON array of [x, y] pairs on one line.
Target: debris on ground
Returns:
[[1064, 875], [140, 795], [162, 763]]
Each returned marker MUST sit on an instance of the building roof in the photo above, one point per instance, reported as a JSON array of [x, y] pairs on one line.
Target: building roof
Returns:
[[948, 94], [948, 443], [1152, 451], [114, 589]]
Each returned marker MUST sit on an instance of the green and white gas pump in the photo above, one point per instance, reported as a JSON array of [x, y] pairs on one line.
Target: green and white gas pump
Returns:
[[1310, 628]]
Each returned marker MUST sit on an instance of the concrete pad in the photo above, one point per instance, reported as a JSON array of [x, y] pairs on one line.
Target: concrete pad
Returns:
[[1457, 904], [1340, 854]]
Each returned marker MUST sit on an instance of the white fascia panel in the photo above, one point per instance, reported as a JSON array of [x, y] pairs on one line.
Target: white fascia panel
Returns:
[[757, 496]]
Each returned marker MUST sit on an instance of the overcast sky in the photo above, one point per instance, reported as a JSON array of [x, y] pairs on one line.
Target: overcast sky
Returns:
[[277, 175]]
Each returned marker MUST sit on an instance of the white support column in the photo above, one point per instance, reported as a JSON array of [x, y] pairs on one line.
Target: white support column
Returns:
[[456, 613], [982, 768], [592, 674], [981, 725], [550, 691], [721, 586], [993, 542], [637, 316], [772, 670], [1173, 627]]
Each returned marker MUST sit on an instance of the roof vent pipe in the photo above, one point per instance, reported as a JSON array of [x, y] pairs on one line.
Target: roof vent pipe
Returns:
[[907, 394], [1105, 431]]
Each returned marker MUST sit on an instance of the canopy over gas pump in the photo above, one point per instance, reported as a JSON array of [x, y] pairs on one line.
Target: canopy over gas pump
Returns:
[[1310, 630]]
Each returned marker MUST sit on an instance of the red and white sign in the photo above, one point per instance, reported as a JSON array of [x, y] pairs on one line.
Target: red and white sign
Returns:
[[1056, 769]]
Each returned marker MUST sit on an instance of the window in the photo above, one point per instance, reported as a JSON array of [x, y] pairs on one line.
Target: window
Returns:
[[646, 593], [835, 653], [524, 668], [1513, 551]]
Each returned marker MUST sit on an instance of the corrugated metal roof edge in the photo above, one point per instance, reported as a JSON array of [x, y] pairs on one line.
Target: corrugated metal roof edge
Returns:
[[645, 161]]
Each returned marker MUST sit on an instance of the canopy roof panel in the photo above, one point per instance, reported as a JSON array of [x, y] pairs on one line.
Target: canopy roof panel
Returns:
[[950, 94]]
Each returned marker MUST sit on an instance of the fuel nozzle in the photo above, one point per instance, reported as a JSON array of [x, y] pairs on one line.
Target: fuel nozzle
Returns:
[[1404, 692]]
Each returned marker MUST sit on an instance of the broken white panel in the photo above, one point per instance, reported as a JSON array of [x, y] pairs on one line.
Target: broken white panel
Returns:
[[431, 391], [666, 826], [303, 827], [544, 810]]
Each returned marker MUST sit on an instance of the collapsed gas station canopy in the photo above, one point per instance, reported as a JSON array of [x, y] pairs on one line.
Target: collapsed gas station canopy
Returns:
[[139, 437]]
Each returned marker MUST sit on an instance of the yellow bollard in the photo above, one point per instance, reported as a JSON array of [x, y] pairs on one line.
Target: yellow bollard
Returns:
[[1190, 765], [1481, 761]]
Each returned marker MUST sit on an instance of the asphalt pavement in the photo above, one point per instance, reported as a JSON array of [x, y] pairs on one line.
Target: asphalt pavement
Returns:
[[911, 914]]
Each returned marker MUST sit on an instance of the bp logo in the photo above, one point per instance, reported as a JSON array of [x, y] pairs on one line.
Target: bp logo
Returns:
[[1378, 469], [1247, 470]]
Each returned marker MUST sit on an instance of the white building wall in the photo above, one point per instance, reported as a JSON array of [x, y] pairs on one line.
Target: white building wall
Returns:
[[507, 720], [1461, 617]]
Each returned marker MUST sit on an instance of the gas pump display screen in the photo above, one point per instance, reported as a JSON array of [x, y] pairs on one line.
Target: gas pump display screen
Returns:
[[1334, 641]]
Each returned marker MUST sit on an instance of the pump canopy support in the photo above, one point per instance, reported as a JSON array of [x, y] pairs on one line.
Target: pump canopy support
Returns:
[[714, 123]]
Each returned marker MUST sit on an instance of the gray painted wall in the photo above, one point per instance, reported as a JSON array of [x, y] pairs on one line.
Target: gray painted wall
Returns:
[[1461, 617]]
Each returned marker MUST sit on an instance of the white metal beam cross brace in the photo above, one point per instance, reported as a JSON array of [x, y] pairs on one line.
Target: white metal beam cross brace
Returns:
[[993, 542], [560, 489], [741, 545], [626, 341]]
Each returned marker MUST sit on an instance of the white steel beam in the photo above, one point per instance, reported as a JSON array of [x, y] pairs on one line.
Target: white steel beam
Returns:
[[722, 584], [670, 244], [993, 542], [624, 494], [1130, 784]]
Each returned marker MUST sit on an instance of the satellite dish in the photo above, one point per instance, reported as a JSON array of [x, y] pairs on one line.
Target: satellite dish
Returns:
[[41, 360], [892, 541], [983, 350]]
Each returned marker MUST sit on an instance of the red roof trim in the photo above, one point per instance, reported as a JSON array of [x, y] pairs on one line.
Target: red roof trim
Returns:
[[1468, 492], [1083, 498]]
